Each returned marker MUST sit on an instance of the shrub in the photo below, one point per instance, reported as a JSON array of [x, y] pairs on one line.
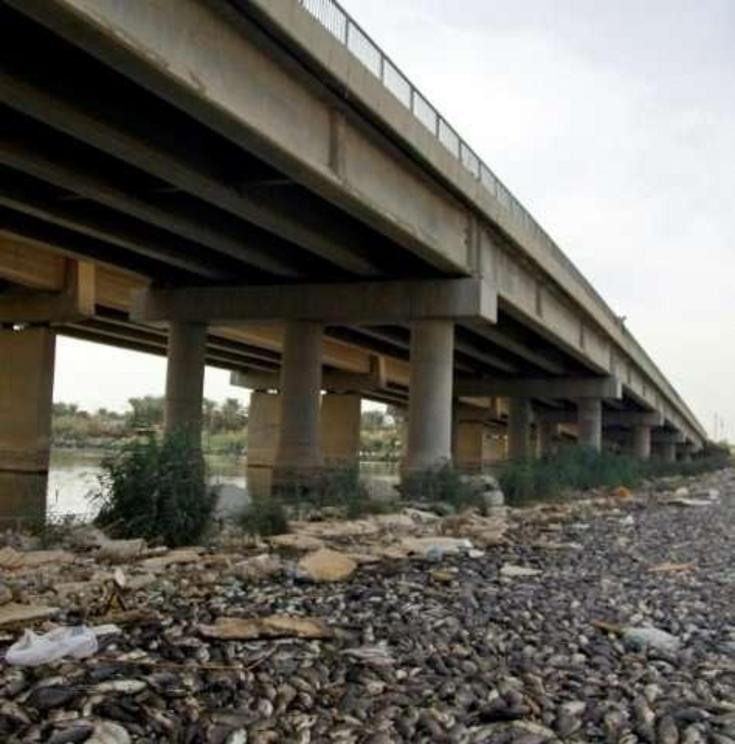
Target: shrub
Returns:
[[582, 468], [441, 484], [265, 516], [573, 468], [155, 490]]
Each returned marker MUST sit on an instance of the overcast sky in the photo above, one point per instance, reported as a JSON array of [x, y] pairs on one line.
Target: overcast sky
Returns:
[[613, 121]]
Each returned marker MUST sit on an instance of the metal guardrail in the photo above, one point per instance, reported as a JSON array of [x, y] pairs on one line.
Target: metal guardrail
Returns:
[[347, 31], [336, 20]]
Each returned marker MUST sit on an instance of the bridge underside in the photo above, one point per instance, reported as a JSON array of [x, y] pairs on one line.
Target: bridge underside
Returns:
[[110, 187]]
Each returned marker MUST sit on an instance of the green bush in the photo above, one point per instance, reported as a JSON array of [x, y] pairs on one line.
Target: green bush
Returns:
[[579, 468], [441, 484], [573, 468], [266, 516], [155, 490]]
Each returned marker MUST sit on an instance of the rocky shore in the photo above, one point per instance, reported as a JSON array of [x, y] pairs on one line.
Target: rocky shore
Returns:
[[608, 618]]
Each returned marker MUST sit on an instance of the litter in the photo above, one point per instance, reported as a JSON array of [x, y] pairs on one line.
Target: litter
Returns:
[[34, 650]]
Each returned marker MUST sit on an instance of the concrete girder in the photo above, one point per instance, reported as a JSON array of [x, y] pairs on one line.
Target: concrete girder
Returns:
[[666, 437], [74, 301], [336, 381], [519, 349], [470, 300], [195, 179], [609, 418], [572, 387], [71, 177], [114, 229]]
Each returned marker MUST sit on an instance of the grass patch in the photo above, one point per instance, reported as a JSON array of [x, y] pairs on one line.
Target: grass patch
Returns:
[[579, 468], [155, 490]]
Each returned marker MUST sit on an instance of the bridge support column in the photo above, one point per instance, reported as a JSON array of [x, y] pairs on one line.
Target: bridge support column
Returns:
[[298, 453], [642, 442], [668, 451], [469, 446], [264, 417], [185, 379], [589, 423], [26, 392], [519, 428], [547, 438], [430, 397], [340, 428]]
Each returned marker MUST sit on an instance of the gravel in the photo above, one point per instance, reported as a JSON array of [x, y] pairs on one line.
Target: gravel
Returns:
[[448, 650]]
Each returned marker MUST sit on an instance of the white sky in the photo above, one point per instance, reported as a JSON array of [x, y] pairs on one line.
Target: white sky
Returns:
[[613, 121]]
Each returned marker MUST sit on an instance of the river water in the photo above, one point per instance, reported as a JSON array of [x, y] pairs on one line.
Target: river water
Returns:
[[74, 476]]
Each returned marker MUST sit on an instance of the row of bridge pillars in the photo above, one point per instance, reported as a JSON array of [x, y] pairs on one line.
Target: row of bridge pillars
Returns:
[[296, 431]]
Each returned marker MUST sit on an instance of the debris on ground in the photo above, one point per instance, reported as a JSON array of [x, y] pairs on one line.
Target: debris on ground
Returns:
[[606, 617]]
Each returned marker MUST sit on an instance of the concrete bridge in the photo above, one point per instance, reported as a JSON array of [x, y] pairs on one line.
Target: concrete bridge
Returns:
[[253, 184]]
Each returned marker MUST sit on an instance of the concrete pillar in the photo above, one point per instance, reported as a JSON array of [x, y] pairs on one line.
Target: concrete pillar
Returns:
[[668, 451], [469, 445], [589, 423], [519, 428], [430, 396], [264, 420], [340, 428], [547, 438], [642, 442], [185, 379], [26, 393], [301, 377]]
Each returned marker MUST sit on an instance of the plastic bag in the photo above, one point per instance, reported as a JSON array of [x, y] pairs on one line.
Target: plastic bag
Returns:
[[33, 650]]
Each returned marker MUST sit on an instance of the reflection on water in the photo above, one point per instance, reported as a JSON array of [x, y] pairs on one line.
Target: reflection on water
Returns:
[[74, 477]]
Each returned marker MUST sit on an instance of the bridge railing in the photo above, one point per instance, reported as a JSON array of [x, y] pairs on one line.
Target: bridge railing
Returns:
[[334, 18], [345, 29]]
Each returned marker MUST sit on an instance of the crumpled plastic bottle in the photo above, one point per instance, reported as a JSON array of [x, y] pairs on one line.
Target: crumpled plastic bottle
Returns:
[[33, 649]]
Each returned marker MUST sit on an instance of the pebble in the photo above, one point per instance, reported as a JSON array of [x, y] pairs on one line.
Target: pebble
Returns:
[[559, 632]]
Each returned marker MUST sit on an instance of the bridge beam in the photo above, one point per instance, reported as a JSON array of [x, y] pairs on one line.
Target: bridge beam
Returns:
[[74, 301], [26, 391], [351, 303], [570, 388], [609, 418]]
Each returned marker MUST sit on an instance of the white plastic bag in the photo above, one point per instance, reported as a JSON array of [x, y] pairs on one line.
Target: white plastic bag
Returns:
[[33, 649]]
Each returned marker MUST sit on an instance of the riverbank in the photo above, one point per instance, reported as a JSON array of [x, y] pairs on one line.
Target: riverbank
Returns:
[[411, 634]]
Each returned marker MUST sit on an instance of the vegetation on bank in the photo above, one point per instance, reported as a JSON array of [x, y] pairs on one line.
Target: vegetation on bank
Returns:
[[157, 490], [225, 427], [578, 468]]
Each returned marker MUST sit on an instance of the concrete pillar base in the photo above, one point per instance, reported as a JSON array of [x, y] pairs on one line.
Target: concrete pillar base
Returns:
[[26, 392], [340, 429], [519, 429]]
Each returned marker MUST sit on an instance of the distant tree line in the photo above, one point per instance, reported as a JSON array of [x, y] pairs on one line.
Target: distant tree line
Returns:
[[224, 427], [72, 426]]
